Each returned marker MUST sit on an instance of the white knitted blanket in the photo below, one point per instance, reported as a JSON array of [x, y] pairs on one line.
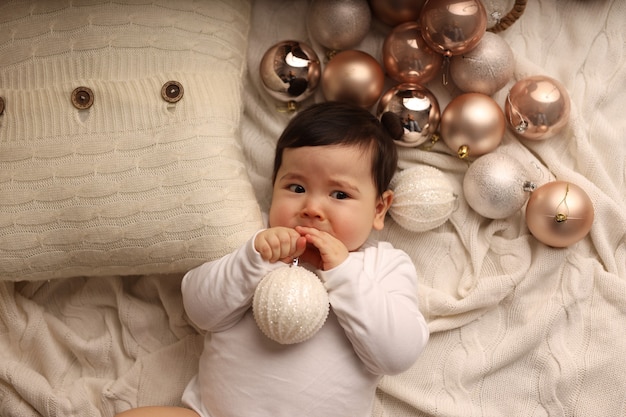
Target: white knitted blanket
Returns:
[[517, 328]]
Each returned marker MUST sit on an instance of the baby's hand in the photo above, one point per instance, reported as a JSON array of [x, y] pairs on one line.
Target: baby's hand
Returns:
[[279, 244], [330, 251]]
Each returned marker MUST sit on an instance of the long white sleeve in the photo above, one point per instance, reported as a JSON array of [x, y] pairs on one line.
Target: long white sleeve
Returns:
[[374, 294]]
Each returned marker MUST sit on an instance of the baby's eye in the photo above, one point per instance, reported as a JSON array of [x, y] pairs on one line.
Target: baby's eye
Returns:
[[339, 195], [296, 188]]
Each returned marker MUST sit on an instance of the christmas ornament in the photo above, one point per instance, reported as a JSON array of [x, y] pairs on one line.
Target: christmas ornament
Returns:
[[290, 71], [353, 76], [486, 68], [496, 185], [559, 214], [423, 198], [393, 13], [537, 107], [453, 27], [338, 24], [290, 304], [406, 56], [413, 109], [472, 124]]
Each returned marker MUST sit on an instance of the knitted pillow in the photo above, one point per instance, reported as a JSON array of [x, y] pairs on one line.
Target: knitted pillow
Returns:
[[119, 147]]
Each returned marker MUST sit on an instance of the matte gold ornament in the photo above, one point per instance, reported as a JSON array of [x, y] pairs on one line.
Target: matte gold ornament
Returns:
[[496, 185], [353, 76], [415, 111], [406, 56], [453, 27], [290, 304], [537, 107], [485, 69], [559, 214], [472, 124], [423, 198], [290, 71], [396, 12], [338, 24]]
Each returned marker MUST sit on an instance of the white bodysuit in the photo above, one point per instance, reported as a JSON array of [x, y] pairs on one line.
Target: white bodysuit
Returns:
[[374, 328]]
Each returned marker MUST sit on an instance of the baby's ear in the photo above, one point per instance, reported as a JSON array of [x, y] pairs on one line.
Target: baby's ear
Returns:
[[383, 204]]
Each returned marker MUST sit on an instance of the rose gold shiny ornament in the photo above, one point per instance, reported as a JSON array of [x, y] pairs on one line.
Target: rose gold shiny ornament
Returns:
[[453, 27], [472, 124], [407, 58], [394, 12], [338, 24], [496, 185], [353, 76], [559, 214], [485, 69], [416, 111], [537, 107], [290, 71]]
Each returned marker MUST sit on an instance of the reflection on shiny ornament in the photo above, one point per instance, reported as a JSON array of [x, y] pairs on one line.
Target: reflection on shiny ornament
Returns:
[[485, 69], [290, 304], [290, 71], [338, 24], [411, 110], [453, 27], [406, 56], [353, 76], [423, 198], [472, 124], [394, 12], [537, 107], [496, 185], [559, 214]]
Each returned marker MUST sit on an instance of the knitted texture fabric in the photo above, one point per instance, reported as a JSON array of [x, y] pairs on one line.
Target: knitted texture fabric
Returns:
[[134, 184], [517, 328]]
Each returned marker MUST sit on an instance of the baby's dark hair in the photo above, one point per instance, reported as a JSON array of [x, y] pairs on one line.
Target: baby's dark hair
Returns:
[[337, 123]]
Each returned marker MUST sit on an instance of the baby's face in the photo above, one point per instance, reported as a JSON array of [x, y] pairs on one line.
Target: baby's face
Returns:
[[329, 188]]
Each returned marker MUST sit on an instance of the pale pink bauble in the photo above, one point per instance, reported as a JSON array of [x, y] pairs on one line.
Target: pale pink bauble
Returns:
[[559, 214], [472, 124]]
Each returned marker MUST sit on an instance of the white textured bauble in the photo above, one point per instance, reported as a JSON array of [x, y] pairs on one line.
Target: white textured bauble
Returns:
[[485, 69], [423, 198], [496, 185], [290, 304], [338, 24]]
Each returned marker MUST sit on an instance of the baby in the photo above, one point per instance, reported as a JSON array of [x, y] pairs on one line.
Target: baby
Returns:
[[332, 169]]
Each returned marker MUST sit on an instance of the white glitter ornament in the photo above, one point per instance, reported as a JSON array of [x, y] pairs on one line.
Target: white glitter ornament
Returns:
[[290, 304], [423, 198], [496, 185], [485, 69]]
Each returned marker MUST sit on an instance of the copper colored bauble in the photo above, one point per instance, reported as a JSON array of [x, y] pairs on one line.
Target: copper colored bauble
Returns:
[[472, 125], [559, 214], [453, 27], [537, 107], [353, 76], [423, 198], [338, 24], [395, 12], [496, 185], [290, 304], [415, 111], [290, 71], [485, 69], [406, 56]]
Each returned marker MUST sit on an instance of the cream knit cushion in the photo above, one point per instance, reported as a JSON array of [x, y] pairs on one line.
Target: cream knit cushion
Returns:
[[134, 184]]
